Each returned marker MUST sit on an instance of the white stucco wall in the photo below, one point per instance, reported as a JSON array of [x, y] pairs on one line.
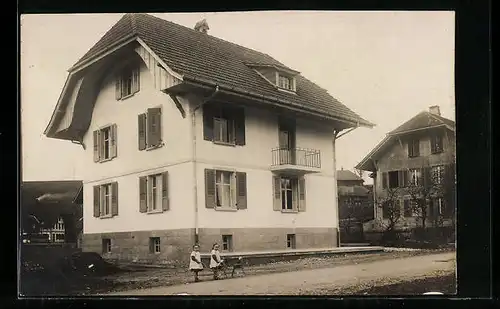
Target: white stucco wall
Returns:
[[123, 113], [179, 216], [254, 158], [131, 163]]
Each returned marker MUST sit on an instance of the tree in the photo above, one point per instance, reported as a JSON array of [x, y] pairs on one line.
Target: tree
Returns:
[[422, 187], [391, 211]]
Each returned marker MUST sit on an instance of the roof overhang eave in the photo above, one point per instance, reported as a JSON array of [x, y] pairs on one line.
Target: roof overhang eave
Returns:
[[80, 65], [235, 91]]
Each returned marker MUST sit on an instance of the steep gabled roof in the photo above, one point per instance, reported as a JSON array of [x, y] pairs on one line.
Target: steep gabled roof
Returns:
[[199, 56], [422, 121]]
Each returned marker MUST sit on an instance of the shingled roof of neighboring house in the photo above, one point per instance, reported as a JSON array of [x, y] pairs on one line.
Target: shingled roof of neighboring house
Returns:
[[347, 175], [197, 56], [423, 120], [353, 190]]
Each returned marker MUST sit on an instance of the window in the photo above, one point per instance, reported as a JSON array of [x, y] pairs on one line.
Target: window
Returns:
[[127, 82], [289, 191], [154, 244], [59, 237], [105, 147], [224, 124], [393, 179], [223, 130], [153, 193], [407, 208], [414, 148], [437, 174], [225, 189], [227, 243], [415, 177], [106, 245], [289, 194], [436, 143], [290, 241], [150, 129], [437, 207], [285, 82], [106, 200]]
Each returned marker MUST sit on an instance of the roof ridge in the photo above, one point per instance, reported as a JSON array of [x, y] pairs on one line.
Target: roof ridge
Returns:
[[212, 36], [439, 117]]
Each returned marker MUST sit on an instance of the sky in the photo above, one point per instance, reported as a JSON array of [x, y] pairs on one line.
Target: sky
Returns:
[[385, 66]]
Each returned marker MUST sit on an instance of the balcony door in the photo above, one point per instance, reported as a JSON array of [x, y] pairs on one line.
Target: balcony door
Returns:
[[286, 144]]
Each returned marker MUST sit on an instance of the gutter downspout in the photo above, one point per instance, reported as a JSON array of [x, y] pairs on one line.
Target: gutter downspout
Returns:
[[335, 191], [195, 176]]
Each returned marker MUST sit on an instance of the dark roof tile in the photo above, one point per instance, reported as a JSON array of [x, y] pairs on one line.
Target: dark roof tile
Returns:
[[421, 121]]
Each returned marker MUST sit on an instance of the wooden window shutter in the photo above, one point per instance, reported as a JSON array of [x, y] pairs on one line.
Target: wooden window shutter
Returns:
[[241, 189], [143, 206], [276, 193], [209, 188], [114, 146], [153, 127], [302, 194], [136, 80], [114, 198], [118, 87], [401, 179], [417, 148], [426, 176], [97, 152], [142, 131], [405, 178], [239, 126], [384, 180], [164, 191], [97, 201], [208, 122]]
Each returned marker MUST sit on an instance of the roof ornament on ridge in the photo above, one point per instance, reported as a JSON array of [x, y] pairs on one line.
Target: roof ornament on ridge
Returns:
[[202, 26]]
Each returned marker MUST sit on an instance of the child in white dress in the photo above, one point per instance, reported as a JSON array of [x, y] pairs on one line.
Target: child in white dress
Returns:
[[215, 260], [195, 264]]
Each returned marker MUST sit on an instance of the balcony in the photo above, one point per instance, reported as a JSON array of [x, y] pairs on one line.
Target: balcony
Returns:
[[296, 161]]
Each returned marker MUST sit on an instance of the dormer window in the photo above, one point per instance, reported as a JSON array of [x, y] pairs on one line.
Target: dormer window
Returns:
[[285, 82], [281, 77]]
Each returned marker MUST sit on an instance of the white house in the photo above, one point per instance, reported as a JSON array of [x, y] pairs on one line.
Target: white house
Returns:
[[190, 138]]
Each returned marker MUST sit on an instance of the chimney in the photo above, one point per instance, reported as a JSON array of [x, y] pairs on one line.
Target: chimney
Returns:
[[202, 26], [435, 110]]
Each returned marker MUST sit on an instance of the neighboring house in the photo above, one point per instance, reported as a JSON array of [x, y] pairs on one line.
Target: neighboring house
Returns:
[[48, 212], [54, 233], [190, 138], [417, 154], [355, 206]]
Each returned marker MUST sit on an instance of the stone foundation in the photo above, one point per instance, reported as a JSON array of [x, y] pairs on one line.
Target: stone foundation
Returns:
[[176, 245]]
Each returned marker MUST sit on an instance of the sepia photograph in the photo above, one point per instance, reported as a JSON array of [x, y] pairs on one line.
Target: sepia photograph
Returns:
[[238, 153]]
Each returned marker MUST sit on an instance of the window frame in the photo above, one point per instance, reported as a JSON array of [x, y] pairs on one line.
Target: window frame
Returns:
[[291, 241], [227, 241], [437, 173], [290, 79], [154, 245], [436, 140], [106, 245], [105, 197], [232, 188], [158, 179], [128, 78], [230, 133], [294, 189], [418, 176], [414, 147]]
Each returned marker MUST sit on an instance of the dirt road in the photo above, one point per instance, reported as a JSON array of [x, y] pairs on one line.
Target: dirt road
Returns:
[[317, 281]]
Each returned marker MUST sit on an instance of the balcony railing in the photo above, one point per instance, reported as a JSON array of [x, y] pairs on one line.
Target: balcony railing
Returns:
[[297, 156]]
